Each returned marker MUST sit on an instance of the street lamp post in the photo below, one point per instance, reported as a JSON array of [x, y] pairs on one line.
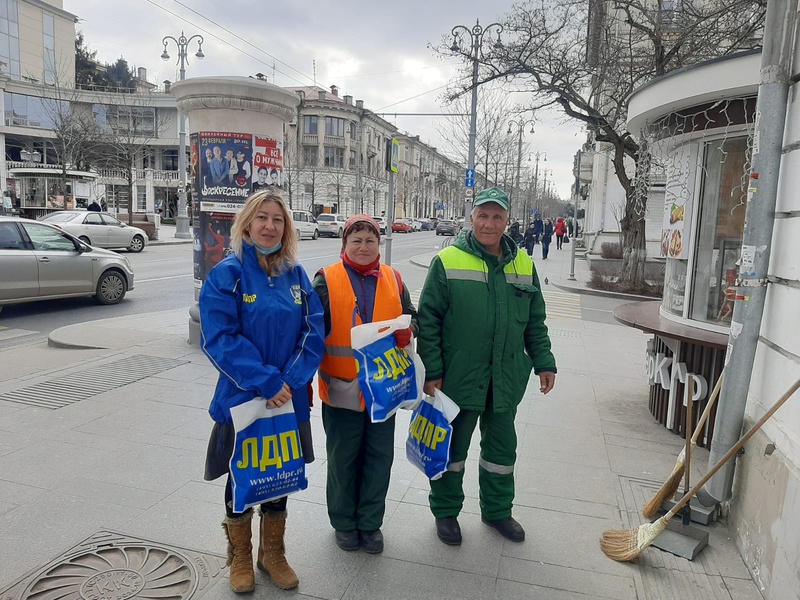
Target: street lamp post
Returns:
[[520, 124], [182, 220], [475, 36], [543, 156]]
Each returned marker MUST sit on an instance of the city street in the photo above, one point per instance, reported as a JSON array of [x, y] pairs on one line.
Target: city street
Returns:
[[164, 282]]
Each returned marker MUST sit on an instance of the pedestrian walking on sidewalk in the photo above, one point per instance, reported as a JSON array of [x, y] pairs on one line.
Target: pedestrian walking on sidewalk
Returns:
[[538, 228], [358, 289], [547, 238], [262, 328], [561, 231], [530, 238], [482, 329]]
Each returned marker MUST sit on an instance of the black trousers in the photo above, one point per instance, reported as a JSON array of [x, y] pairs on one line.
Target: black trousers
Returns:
[[278, 505]]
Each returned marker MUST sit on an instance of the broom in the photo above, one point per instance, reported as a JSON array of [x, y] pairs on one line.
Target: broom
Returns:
[[671, 484], [626, 544]]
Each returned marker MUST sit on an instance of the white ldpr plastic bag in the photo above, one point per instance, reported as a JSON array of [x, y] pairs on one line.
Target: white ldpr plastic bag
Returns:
[[390, 377]]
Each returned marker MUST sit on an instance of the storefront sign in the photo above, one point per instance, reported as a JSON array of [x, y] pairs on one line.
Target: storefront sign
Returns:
[[661, 371]]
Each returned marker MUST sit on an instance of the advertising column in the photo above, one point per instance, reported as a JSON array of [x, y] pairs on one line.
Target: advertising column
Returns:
[[235, 138]]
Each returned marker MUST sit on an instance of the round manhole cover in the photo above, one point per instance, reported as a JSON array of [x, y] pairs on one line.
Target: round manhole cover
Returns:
[[116, 573]]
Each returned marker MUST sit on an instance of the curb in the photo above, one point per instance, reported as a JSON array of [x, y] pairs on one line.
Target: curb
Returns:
[[166, 243], [603, 293]]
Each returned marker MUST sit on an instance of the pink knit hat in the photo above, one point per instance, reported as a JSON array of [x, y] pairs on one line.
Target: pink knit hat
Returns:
[[351, 222]]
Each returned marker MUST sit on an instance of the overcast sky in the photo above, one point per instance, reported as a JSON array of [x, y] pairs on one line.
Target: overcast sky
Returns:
[[372, 50]]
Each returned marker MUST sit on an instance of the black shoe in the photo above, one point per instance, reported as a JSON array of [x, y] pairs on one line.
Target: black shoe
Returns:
[[347, 540], [449, 531], [508, 528], [371, 541]]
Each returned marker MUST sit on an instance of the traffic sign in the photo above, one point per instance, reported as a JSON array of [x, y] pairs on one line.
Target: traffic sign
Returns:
[[469, 192], [469, 183], [440, 207], [470, 174]]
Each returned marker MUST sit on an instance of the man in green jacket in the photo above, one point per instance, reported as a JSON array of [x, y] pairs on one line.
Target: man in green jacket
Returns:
[[482, 331]]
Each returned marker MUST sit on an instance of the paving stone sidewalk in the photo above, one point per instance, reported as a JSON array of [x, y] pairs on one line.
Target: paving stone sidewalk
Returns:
[[116, 477]]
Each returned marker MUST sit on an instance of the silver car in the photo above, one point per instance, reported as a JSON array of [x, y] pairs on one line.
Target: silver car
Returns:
[[98, 229], [41, 262]]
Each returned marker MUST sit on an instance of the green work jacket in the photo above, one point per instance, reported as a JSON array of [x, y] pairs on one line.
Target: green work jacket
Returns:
[[481, 320]]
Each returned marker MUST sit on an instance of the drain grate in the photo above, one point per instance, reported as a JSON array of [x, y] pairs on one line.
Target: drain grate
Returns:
[[76, 386], [113, 566], [571, 333]]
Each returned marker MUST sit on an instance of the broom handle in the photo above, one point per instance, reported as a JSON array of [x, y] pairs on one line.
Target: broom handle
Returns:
[[709, 405], [736, 447], [689, 437]]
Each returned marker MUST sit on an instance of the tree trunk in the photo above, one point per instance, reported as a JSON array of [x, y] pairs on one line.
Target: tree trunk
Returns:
[[634, 247]]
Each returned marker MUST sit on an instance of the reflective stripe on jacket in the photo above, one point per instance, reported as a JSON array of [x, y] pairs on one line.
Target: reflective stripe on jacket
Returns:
[[338, 380], [482, 322]]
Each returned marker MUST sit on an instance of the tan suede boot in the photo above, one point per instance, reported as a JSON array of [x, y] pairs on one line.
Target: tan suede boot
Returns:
[[240, 552], [271, 550]]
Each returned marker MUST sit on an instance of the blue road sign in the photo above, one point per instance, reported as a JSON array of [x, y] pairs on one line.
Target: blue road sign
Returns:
[[470, 174], [440, 207], [470, 183]]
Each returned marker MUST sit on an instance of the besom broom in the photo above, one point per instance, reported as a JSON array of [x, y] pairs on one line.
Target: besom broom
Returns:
[[626, 544], [671, 484]]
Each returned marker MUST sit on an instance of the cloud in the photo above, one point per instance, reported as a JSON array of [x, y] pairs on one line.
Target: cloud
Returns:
[[375, 51]]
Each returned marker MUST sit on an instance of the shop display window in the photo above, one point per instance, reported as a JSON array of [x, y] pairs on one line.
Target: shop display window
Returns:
[[719, 233]]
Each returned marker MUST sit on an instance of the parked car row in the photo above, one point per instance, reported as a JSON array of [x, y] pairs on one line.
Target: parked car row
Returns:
[[39, 261]]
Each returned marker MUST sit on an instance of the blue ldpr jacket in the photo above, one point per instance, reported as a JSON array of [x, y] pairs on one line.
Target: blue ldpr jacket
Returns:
[[260, 332]]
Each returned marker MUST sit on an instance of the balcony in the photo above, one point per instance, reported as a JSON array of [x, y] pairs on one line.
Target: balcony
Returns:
[[310, 139], [335, 140]]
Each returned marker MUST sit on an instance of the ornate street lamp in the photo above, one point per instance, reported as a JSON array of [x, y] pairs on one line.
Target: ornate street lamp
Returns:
[[520, 124], [182, 221], [475, 54]]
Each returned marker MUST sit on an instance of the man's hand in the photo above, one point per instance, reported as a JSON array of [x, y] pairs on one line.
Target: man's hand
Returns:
[[547, 380], [429, 386], [280, 398]]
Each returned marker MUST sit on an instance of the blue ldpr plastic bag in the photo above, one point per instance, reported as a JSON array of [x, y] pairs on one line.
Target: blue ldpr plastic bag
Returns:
[[390, 377], [267, 461], [430, 435]]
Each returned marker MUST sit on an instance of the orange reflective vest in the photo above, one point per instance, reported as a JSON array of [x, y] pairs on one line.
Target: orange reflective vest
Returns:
[[338, 380]]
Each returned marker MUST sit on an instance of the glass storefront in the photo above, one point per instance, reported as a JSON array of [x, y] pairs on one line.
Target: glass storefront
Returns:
[[702, 288]]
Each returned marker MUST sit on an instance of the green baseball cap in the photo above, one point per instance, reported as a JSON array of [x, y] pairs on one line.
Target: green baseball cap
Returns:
[[493, 194]]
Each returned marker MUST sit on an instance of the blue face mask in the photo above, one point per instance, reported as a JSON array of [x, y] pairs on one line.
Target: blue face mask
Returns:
[[266, 251]]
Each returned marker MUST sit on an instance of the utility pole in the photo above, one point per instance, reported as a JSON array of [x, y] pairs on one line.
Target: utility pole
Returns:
[[573, 241], [543, 156], [182, 220], [475, 36]]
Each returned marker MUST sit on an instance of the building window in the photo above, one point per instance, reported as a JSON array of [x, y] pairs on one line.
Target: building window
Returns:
[[334, 126], [49, 31], [127, 119], [353, 126], [310, 125], [169, 160], [9, 38], [310, 156], [352, 159], [30, 111], [334, 157]]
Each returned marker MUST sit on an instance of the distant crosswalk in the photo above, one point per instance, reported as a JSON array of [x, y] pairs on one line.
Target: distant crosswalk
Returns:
[[560, 305]]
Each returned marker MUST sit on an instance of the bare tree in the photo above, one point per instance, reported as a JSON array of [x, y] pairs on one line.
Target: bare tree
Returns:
[[546, 51], [130, 124]]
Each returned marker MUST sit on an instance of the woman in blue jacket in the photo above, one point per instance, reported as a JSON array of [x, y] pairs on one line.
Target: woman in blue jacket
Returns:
[[262, 328]]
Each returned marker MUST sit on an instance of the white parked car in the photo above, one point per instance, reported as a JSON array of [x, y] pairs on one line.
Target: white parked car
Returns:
[[305, 225], [331, 224], [416, 225], [98, 229], [381, 224]]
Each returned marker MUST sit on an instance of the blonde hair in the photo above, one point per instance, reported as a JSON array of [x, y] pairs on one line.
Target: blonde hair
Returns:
[[282, 260]]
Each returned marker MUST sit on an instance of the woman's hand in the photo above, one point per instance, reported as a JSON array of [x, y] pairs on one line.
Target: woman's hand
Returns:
[[280, 398]]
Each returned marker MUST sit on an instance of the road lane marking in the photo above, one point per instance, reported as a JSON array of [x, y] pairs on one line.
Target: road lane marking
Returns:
[[163, 278]]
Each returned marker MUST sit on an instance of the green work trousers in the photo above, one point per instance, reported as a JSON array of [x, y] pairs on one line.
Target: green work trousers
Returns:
[[495, 465], [360, 455]]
